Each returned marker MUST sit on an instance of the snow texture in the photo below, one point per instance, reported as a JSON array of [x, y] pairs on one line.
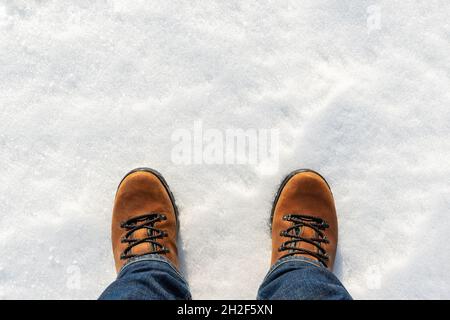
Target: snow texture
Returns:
[[359, 91]]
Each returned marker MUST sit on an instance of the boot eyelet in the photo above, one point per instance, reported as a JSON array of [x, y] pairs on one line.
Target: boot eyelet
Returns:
[[163, 217]]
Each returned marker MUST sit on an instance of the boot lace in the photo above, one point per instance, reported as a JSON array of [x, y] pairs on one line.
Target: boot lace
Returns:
[[294, 235], [146, 221]]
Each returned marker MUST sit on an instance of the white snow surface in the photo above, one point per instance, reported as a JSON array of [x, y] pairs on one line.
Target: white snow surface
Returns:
[[92, 89]]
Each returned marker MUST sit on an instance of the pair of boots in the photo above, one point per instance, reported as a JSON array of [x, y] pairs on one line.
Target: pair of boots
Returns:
[[145, 219]]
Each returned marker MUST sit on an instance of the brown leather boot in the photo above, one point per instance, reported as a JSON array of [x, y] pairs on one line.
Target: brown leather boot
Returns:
[[304, 221], [144, 218]]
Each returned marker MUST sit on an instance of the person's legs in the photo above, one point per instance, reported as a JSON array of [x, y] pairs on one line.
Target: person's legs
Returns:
[[297, 278], [144, 239], [304, 241], [149, 277]]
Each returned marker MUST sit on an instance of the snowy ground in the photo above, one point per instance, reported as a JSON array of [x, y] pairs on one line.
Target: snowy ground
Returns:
[[359, 90]]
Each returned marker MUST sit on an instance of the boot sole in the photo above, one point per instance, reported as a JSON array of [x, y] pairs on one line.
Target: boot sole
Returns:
[[165, 184], [283, 184]]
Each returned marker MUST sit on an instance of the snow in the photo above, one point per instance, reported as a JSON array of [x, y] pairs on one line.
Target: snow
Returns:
[[359, 91]]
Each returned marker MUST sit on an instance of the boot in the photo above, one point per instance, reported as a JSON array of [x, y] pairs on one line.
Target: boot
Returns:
[[145, 218], [304, 221]]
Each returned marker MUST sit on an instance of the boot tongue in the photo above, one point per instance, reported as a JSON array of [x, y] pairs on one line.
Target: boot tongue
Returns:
[[308, 233], [144, 247]]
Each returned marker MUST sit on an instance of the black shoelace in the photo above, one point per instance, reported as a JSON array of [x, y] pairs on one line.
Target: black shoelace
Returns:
[[294, 234], [146, 221]]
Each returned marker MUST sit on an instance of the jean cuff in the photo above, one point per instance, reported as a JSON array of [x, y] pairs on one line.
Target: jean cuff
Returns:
[[301, 259], [150, 257]]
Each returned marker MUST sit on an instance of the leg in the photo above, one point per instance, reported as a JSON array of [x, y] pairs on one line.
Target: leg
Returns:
[[144, 239], [148, 278], [304, 241], [301, 279]]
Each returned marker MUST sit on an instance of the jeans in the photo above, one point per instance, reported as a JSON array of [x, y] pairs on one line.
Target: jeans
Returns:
[[152, 277]]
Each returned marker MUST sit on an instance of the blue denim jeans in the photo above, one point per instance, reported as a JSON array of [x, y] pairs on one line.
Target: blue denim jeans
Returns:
[[152, 277]]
